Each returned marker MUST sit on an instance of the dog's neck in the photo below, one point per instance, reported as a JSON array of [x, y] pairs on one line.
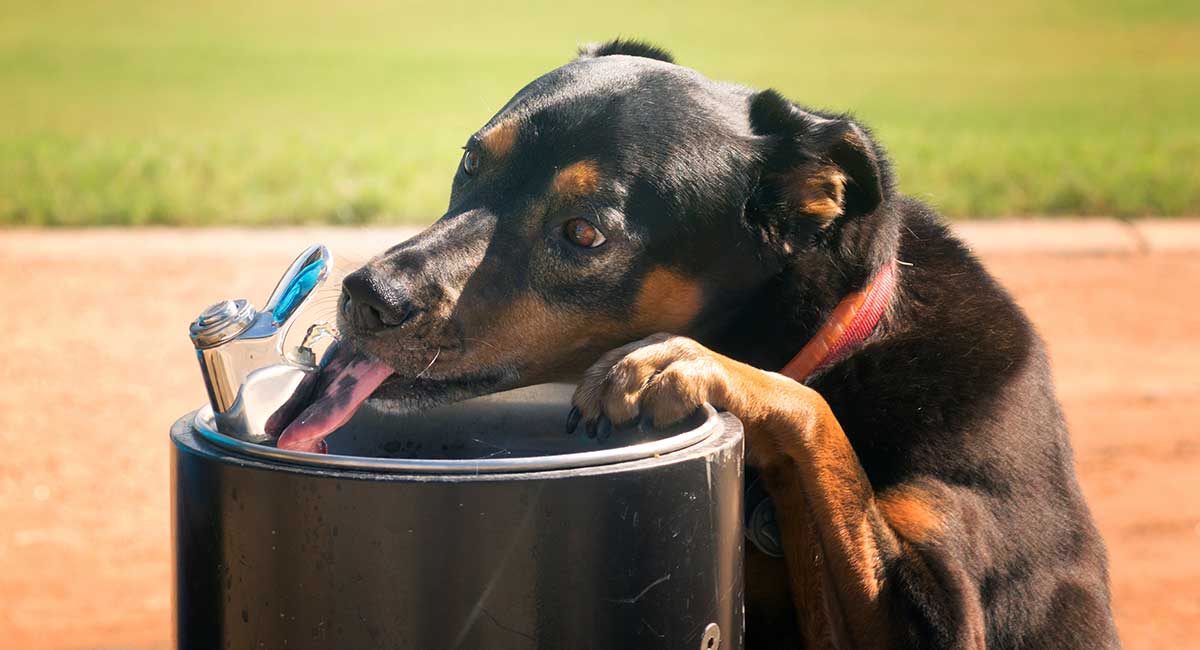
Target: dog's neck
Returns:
[[852, 321], [770, 328]]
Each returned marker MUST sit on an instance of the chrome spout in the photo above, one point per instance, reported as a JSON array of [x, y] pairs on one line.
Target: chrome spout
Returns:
[[255, 373]]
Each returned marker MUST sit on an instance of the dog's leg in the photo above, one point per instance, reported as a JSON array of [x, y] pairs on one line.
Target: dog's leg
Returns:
[[875, 587]]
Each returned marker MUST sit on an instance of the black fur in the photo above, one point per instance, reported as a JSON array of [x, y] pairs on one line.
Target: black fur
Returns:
[[628, 47], [953, 388]]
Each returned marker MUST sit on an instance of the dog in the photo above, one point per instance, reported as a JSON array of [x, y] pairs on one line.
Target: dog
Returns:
[[712, 243]]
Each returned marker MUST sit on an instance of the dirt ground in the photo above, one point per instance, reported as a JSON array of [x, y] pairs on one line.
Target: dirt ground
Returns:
[[96, 365]]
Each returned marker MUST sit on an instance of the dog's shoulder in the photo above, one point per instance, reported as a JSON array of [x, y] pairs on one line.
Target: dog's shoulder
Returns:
[[956, 375], [957, 390]]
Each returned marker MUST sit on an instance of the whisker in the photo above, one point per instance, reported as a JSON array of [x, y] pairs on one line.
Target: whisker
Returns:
[[346, 264], [325, 302], [431, 362], [467, 338]]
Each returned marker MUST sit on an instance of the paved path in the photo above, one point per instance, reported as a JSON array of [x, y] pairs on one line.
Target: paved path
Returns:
[[1060, 236], [96, 366]]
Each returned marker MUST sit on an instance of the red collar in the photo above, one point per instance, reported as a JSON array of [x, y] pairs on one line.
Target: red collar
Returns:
[[851, 322]]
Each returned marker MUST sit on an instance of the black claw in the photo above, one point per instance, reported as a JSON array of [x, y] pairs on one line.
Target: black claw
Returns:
[[591, 427], [573, 419], [604, 430]]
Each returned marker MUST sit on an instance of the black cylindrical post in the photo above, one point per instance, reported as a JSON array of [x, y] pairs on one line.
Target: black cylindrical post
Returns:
[[643, 553]]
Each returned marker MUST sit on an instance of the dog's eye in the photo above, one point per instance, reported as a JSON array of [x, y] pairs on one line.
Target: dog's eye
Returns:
[[582, 233], [470, 162]]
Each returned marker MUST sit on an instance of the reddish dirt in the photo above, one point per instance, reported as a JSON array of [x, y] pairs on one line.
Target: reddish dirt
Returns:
[[96, 366]]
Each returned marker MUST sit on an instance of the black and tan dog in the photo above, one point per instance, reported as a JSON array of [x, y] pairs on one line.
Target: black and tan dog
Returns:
[[922, 474]]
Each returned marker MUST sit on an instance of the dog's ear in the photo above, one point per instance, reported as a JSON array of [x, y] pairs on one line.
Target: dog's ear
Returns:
[[816, 169], [628, 47]]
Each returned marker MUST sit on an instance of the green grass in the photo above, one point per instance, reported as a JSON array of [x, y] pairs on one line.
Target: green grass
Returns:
[[273, 112]]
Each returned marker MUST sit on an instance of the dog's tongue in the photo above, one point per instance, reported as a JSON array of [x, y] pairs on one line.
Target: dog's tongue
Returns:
[[345, 383]]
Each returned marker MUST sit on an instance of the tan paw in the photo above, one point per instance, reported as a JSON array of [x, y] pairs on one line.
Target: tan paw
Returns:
[[659, 380]]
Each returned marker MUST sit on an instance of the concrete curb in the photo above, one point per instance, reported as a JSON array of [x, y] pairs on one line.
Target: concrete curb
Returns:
[[1055, 237], [1004, 236], [1081, 236], [1175, 236]]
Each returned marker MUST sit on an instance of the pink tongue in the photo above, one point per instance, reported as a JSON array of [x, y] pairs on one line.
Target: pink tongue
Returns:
[[340, 399]]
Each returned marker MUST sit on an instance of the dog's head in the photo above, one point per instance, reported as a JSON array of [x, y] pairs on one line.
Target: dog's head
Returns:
[[617, 196]]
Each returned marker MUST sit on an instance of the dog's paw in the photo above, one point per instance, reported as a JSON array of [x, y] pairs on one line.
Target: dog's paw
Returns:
[[659, 380]]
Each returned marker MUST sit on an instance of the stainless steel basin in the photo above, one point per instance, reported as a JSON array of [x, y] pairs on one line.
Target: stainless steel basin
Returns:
[[516, 431]]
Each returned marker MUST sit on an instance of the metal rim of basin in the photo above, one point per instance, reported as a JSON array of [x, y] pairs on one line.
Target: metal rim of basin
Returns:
[[205, 426]]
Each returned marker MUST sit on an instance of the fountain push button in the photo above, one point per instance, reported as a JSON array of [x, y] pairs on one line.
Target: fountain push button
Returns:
[[221, 322]]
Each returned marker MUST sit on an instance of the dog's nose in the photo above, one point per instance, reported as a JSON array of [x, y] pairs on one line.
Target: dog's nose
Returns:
[[372, 305]]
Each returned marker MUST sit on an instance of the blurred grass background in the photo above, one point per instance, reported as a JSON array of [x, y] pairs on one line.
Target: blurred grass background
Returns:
[[272, 112]]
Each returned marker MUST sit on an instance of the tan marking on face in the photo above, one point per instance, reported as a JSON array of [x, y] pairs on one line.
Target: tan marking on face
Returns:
[[499, 139], [578, 179], [667, 302], [542, 340], [912, 512], [816, 189]]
